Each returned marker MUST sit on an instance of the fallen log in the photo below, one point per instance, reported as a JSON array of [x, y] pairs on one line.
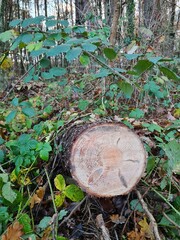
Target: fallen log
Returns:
[[106, 159]]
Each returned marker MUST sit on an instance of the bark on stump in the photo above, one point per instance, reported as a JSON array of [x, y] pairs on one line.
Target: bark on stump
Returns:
[[107, 159]]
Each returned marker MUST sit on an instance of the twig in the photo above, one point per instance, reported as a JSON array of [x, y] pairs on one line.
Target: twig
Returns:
[[150, 216], [71, 213], [171, 221], [101, 224]]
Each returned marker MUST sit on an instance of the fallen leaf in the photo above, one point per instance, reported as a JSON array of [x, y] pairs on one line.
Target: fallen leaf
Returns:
[[115, 218], [14, 232], [134, 235], [37, 197], [146, 229]]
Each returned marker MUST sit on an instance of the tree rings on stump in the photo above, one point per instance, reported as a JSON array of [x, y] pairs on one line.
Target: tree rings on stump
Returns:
[[107, 159]]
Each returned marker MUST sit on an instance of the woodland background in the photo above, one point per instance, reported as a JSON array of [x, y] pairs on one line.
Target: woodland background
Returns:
[[65, 63]]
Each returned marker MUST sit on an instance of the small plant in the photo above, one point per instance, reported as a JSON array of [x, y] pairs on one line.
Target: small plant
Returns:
[[71, 191]]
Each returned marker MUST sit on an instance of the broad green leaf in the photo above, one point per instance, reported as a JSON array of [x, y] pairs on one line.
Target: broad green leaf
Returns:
[[49, 43], [63, 48], [8, 193], [154, 59], [137, 113], [4, 177], [136, 206], [83, 104], [59, 182], [151, 163], [132, 56], [64, 23], [11, 116], [89, 47], [44, 223], [141, 67], [75, 41], [73, 54], [45, 62], [57, 71], [27, 38], [7, 35], [47, 75], [74, 193], [59, 199], [120, 70], [44, 154], [36, 53], [61, 238], [15, 102], [30, 112], [152, 127], [26, 222], [126, 88], [51, 23], [47, 147], [169, 74], [15, 22], [84, 60], [110, 53]]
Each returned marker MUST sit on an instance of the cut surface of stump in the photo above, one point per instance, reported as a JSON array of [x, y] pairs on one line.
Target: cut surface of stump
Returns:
[[107, 159]]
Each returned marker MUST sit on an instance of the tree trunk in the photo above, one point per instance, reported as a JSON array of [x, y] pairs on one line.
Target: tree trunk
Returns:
[[114, 26], [106, 159], [131, 17], [171, 29], [80, 5], [45, 8]]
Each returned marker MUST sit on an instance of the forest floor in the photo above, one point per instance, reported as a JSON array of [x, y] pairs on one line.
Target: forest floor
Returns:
[[149, 211]]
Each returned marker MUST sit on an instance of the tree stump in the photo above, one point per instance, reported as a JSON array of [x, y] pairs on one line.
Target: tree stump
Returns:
[[107, 159]]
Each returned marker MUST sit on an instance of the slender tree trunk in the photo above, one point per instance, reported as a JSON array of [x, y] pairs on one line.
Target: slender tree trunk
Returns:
[[45, 8], [171, 28], [130, 16], [114, 26], [80, 5]]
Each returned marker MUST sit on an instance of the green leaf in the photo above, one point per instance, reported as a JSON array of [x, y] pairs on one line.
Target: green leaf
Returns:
[[110, 53], [154, 59], [11, 116], [169, 74], [64, 23], [15, 102], [47, 75], [44, 154], [8, 193], [172, 150], [7, 35], [84, 60], [137, 113], [63, 48], [44, 223], [56, 71], [173, 216], [59, 199], [59, 182], [74, 193], [15, 22], [83, 104], [27, 38], [132, 56], [61, 238], [62, 214], [26, 222], [45, 62], [89, 47], [152, 127], [141, 67], [1, 140], [1, 156], [126, 88], [73, 54], [30, 112], [102, 73], [136, 206], [4, 215], [4, 177]]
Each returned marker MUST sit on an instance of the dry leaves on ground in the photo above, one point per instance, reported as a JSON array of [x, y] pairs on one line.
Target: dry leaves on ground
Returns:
[[14, 232]]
